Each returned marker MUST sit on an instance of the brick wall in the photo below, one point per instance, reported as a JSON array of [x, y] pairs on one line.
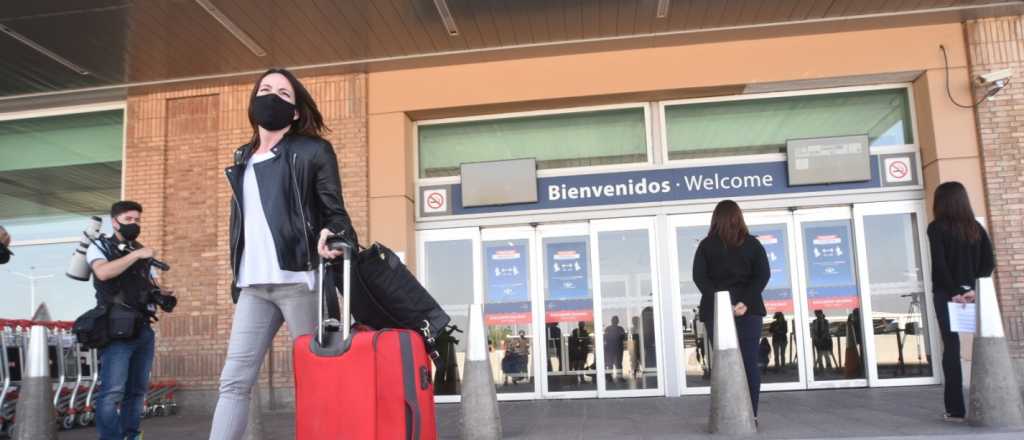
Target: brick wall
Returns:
[[994, 44], [178, 143]]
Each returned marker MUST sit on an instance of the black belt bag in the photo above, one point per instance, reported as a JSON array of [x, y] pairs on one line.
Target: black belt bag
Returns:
[[124, 322]]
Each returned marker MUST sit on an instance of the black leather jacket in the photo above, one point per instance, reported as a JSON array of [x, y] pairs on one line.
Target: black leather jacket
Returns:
[[300, 189]]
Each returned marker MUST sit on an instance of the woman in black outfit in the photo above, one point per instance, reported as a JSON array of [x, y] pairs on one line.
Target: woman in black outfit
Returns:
[[731, 259], [780, 334], [961, 253]]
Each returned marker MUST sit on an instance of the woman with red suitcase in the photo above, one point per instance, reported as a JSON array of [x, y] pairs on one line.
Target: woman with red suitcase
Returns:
[[286, 201]]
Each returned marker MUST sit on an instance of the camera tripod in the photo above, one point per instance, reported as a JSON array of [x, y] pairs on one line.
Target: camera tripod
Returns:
[[911, 326]]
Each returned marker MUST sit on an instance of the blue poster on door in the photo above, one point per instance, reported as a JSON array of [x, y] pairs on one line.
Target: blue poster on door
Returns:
[[829, 254], [567, 270], [507, 276], [778, 295]]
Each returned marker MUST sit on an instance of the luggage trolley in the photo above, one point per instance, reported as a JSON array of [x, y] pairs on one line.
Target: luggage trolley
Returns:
[[10, 374], [87, 414], [71, 376], [15, 340]]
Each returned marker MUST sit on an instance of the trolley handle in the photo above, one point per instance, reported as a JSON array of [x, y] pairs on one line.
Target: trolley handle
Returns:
[[335, 243]]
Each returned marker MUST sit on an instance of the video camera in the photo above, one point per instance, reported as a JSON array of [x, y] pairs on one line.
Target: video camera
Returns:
[[165, 301]]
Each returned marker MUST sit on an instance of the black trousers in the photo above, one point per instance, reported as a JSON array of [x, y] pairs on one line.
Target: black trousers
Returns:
[[954, 386]]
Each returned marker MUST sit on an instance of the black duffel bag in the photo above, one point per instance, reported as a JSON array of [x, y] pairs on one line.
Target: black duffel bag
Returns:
[[385, 294]]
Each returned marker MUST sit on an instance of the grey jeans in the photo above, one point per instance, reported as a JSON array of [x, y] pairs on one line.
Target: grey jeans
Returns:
[[258, 315]]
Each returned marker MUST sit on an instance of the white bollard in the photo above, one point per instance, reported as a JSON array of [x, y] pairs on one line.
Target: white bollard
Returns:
[[36, 417], [995, 400], [480, 417], [731, 410]]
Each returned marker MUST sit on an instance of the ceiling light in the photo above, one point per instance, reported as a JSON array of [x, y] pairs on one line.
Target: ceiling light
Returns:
[[663, 8], [233, 28], [446, 17], [53, 56]]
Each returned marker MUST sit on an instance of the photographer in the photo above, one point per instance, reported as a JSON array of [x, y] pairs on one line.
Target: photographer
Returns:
[[5, 241], [122, 270]]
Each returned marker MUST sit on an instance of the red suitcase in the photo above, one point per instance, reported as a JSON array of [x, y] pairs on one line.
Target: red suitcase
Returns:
[[364, 385]]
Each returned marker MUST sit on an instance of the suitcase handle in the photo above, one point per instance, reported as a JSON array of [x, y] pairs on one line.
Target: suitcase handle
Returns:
[[346, 312]]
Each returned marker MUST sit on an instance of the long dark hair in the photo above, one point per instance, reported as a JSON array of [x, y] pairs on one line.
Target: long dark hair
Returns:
[[953, 209], [727, 223], [310, 122]]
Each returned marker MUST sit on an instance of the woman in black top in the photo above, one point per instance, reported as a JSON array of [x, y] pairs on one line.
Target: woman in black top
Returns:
[[780, 334], [961, 253], [731, 259]]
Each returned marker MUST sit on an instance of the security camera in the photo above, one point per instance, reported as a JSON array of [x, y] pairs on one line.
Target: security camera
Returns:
[[997, 77]]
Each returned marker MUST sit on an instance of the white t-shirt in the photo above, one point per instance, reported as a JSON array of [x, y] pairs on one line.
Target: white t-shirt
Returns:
[[94, 253], [259, 257]]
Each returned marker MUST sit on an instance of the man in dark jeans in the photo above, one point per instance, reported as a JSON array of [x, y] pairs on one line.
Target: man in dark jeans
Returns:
[[121, 274]]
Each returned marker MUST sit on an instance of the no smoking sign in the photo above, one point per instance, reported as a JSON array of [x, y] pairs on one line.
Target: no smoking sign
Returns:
[[897, 169], [435, 201]]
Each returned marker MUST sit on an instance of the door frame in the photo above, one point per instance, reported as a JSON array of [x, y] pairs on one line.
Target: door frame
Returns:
[[455, 234], [675, 222], [627, 224], [537, 350], [799, 321], [887, 208], [575, 229], [800, 217]]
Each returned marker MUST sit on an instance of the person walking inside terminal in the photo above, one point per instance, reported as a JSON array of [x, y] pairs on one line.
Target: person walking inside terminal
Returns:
[[779, 330], [821, 338], [286, 202], [961, 253], [731, 259]]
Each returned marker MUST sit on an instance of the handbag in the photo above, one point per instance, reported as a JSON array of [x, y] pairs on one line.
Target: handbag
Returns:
[[91, 328], [124, 322]]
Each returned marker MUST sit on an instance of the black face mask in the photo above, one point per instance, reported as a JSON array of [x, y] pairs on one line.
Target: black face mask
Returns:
[[271, 112], [5, 254], [130, 231]]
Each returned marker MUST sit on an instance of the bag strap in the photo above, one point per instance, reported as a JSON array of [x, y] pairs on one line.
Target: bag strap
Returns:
[[412, 420]]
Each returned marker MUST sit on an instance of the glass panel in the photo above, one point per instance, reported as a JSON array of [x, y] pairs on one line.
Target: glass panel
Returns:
[[449, 276], [897, 296], [57, 167], [35, 276], [569, 308], [763, 125], [507, 314], [630, 356], [55, 172], [779, 325], [557, 141], [833, 301], [696, 346]]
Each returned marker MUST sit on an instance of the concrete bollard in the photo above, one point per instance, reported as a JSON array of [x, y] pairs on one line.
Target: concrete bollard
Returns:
[[35, 415], [731, 411], [995, 400], [480, 418], [254, 429]]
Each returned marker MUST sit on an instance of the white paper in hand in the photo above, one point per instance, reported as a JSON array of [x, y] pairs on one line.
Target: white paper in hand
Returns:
[[963, 318]]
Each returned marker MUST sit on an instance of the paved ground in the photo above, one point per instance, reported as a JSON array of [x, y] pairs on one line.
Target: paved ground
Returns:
[[913, 412]]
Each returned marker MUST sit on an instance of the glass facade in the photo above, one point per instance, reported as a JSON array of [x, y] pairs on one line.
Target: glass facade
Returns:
[[55, 172], [605, 137], [760, 126]]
